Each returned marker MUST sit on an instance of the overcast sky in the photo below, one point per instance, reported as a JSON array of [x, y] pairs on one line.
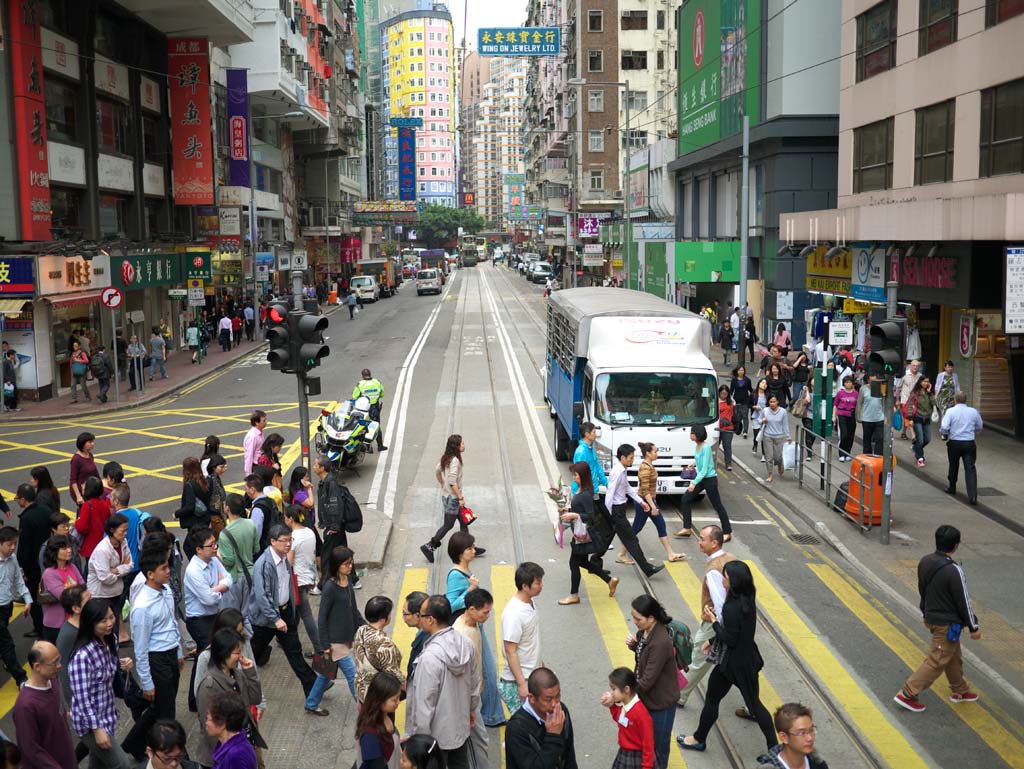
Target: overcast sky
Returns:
[[485, 13]]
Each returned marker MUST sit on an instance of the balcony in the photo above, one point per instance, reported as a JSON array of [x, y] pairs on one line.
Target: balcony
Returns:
[[318, 220], [224, 22]]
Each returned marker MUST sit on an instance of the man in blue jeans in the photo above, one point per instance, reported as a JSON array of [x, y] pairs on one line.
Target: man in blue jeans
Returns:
[[157, 354]]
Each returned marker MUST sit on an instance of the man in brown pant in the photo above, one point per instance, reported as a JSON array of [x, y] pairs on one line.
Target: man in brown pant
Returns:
[[946, 606]]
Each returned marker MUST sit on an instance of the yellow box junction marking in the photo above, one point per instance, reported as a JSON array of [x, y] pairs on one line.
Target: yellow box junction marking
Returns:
[[402, 634]]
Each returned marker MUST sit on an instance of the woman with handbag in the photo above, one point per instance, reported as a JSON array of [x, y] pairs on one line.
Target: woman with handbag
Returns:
[[339, 620], [801, 375], [228, 671], [79, 371], [656, 671], [802, 405], [194, 512], [647, 490], [919, 413], [216, 467], [378, 743], [591, 534], [736, 657], [449, 475], [59, 573], [270, 451]]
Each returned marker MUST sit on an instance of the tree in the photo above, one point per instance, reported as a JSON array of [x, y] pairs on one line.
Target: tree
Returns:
[[438, 226]]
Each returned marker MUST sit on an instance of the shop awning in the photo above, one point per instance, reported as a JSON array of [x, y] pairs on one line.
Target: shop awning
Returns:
[[12, 306], [70, 300]]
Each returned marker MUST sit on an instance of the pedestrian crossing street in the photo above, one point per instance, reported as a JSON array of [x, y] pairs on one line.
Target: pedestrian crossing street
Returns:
[[857, 726]]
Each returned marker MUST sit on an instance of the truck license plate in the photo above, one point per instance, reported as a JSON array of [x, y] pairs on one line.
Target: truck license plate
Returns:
[[662, 487]]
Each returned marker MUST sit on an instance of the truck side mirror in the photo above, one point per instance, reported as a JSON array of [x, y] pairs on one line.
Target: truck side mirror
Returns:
[[577, 411]]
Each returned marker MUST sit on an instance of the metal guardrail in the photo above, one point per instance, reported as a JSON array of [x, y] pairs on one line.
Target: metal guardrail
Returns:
[[822, 479]]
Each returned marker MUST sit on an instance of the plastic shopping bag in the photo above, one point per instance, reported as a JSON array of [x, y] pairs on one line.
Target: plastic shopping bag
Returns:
[[789, 456]]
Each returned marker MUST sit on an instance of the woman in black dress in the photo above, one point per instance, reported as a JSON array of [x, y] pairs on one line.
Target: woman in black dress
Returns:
[[738, 659], [587, 552]]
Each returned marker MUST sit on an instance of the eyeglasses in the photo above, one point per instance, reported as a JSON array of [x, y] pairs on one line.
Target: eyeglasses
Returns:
[[174, 760], [410, 614], [213, 545], [285, 540], [804, 733]]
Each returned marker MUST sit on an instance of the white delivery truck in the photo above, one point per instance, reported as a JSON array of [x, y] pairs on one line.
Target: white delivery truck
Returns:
[[638, 368]]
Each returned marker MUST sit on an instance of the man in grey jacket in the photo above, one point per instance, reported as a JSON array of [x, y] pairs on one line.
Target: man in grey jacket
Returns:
[[444, 693], [272, 609]]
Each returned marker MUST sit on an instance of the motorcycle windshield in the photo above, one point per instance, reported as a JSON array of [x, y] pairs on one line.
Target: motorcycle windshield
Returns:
[[341, 422]]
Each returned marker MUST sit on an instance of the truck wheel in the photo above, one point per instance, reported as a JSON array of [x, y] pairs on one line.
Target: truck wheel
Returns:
[[561, 443]]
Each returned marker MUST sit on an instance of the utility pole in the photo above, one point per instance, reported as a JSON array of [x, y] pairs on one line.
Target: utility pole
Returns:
[[889, 383], [254, 234], [738, 333], [629, 169]]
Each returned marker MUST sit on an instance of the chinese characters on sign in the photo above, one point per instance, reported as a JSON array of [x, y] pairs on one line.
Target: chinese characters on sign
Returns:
[[189, 76], [1014, 290], [407, 164], [515, 184], [16, 275], [238, 127], [29, 119], [829, 276], [590, 226], [519, 41], [384, 207]]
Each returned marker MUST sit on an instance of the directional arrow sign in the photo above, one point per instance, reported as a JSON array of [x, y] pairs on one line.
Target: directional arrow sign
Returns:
[[111, 298]]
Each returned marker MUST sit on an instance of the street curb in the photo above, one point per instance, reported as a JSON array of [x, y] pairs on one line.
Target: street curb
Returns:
[[822, 528], [379, 548]]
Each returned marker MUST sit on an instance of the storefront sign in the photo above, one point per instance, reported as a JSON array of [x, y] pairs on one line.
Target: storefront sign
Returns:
[[829, 276], [853, 307], [1015, 290], [66, 163], [936, 273], [198, 265], [189, 76], [966, 335], [17, 275], [60, 54], [384, 207], [230, 220], [70, 274], [145, 270], [29, 120], [351, 249], [152, 179], [238, 127], [407, 164], [590, 227], [468, 198], [593, 248], [207, 221], [519, 41], [867, 281], [114, 173], [284, 260], [110, 77], [590, 260], [177, 293], [406, 122], [149, 94]]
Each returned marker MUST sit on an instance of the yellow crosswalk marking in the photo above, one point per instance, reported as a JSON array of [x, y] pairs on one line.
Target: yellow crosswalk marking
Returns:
[[995, 735], [9, 691], [503, 587], [402, 634], [866, 716]]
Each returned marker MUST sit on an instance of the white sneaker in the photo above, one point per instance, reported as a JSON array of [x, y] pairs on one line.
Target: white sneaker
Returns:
[[762, 460], [314, 590]]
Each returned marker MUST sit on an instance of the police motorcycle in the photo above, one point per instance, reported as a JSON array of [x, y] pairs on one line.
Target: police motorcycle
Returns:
[[346, 435]]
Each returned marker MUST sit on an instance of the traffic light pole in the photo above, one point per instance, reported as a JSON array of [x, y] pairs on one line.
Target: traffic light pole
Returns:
[[888, 407], [301, 377]]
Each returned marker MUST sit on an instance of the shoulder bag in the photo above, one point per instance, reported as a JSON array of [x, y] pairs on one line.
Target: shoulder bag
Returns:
[[237, 596]]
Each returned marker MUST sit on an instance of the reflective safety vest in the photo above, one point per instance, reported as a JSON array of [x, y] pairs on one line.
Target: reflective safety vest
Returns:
[[371, 388]]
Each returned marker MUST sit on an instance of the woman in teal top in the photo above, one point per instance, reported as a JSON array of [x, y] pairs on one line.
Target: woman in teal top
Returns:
[[462, 551], [706, 480]]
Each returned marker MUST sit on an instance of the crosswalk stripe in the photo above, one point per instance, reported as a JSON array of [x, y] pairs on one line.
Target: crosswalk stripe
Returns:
[[687, 580], [412, 580], [9, 691], [994, 734], [503, 587], [866, 716], [613, 628]]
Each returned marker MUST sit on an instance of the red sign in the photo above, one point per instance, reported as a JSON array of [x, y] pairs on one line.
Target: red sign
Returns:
[[469, 198], [938, 272], [237, 129], [127, 272], [30, 120], [966, 334], [698, 39], [192, 143], [111, 298]]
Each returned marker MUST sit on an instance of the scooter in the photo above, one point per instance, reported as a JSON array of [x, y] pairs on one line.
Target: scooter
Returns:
[[346, 435]]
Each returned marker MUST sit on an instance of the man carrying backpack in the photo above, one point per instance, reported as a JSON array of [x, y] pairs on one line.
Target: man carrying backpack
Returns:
[[337, 512], [103, 369]]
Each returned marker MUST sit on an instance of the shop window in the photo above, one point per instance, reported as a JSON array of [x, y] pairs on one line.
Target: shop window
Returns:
[[595, 21], [933, 145], [1002, 129], [876, 40], [596, 181], [634, 20], [53, 14], [997, 11], [154, 217], [595, 61], [112, 127], [65, 208], [634, 60], [109, 36], [61, 111], [595, 141], [113, 216], [153, 145], [872, 156], [937, 25]]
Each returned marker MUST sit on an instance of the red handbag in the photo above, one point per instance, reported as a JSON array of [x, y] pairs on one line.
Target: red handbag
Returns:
[[466, 516]]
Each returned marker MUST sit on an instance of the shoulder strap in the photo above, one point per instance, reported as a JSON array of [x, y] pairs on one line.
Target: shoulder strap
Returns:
[[234, 544], [935, 573]]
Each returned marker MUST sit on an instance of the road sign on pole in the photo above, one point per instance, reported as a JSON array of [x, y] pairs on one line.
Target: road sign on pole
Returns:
[[111, 298], [196, 293]]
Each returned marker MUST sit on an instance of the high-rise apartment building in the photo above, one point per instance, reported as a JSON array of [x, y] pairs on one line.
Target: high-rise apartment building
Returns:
[[418, 79]]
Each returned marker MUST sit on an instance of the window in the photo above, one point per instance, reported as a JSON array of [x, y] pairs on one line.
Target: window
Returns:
[[937, 25], [61, 111], [1001, 10], [634, 20], [112, 127], [872, 156], [595, 141], [154, 210], [108, 37], [595, 61], [634, 60], [65, 207], [933, 145], [596, 181], [153, 140], [113, 215], [661, 60], [1002, 129], [595, 21], [53, 14], [876, 40], [636, 100], [595, 101]]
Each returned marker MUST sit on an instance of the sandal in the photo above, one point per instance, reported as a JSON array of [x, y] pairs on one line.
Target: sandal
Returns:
[[676, 558], [613, 583], [683, 533], [626, 561], [769, 479], [569, 601]]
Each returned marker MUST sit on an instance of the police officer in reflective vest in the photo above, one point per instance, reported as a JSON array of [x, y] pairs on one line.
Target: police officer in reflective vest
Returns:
[[374, 391]]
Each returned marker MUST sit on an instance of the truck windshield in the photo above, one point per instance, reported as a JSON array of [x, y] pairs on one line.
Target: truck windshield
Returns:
[[644, 398]]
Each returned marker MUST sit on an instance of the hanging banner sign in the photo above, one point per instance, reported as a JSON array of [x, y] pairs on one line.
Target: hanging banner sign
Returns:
[[406, 122], [238, 127], [867, 282], [519, 41], [407, 164], [192, 143]]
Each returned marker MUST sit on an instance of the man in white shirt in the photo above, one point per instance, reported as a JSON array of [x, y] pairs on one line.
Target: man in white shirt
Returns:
[[225, 333], [615, 500], [959, 426], [520, 636], [206, 581]]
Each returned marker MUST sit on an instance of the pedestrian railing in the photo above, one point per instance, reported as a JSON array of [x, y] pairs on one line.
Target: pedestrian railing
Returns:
[[847, 488]]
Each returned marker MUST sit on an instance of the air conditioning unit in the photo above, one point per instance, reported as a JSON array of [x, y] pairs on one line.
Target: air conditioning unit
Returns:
[[617, 194]]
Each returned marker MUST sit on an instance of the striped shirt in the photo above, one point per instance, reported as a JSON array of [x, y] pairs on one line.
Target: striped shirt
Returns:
[[91, 672]]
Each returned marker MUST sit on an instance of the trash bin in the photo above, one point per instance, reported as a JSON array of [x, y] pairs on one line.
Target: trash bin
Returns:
[[332, 297], [867, 482]]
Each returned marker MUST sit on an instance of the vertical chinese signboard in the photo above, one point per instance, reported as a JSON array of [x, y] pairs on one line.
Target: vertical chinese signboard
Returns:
[[189, 75], [238, 127], [407, 164], [30, 119], [515, 184]]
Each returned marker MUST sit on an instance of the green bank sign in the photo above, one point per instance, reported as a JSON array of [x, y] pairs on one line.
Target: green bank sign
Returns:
[[719, 69]]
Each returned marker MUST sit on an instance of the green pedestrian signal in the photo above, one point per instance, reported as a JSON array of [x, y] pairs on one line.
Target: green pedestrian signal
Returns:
[[887, 347], [306, 336]]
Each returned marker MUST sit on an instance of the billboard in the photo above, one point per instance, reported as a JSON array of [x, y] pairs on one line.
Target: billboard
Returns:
[[238, 127], [519, 41], [719, 70], [188, 62], [407, 164]]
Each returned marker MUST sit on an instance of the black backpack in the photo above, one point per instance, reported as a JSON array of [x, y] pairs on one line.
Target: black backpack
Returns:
[[271, 517], [351, 515]]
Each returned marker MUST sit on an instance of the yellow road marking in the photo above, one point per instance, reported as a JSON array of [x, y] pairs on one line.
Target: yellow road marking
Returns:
[[503, 587], [9, 691], [866, 716], [402, 634], [762, 511], [994, 734], [612, 625]]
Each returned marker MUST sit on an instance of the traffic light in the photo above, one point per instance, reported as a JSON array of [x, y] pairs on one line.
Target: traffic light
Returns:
[[887, 347], [279, 337], [307, 332]]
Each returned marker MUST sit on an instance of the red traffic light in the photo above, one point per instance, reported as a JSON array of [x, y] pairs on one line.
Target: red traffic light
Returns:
[[278, 313]]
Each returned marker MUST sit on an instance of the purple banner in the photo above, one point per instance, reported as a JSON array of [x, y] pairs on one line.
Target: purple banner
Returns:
[[238, 128], [407, 164]]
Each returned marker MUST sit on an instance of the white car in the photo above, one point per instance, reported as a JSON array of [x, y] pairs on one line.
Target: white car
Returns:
[[428, 281], [365, 287]]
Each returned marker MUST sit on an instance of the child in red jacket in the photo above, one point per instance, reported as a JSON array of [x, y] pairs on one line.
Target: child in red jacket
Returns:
[[636, 730]]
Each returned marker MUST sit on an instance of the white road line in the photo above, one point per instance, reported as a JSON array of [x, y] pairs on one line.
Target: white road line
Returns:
[[395, 433]]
